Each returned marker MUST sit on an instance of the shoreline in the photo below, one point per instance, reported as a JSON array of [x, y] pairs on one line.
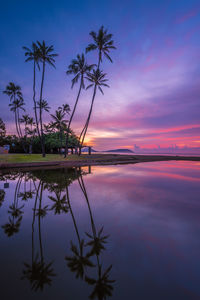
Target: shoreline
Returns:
[[95, 160]]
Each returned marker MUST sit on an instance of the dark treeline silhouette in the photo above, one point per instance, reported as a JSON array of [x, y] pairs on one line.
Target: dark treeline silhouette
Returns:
[[35, 130]]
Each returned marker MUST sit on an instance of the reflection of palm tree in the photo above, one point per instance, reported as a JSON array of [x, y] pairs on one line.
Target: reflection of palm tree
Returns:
[[38, 272], [102, 286], [12, 226], [97, 240], [2, 196], [16, 212], [26, 195], [60, 204], [78, 262]]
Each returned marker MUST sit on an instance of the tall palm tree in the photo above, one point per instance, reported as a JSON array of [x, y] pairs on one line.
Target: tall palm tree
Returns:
[[13, 91], [97, 80], [15, 106], [33, 54], [79, 69], [102, 41], [59, 122], [46, 57]]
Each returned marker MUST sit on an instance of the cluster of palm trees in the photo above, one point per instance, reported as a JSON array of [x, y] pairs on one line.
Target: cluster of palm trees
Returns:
[[41, 55]]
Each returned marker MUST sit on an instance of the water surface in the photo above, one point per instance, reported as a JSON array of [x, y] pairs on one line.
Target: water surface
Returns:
[[109, 232]]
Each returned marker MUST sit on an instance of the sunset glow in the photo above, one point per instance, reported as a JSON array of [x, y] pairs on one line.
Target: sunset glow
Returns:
[[154, 96]]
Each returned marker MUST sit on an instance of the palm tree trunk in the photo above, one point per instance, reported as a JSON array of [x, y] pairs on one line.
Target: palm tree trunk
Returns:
[[41, 125], [73, 218], [39, 225], [83, 132], [35, 106], [33, 222], [16, 124], [89, 115], [70, 120], [20, 131]]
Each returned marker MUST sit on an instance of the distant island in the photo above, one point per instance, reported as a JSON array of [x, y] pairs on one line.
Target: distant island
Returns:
[[121, 150]]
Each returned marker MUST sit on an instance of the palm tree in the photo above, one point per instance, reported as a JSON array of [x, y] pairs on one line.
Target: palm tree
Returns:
[[15, 106], [33, 54], [46, 57], [59, 122], [15, 94], [97, 80], [13, 91], [79, 69], [102, 41], [2, 128]]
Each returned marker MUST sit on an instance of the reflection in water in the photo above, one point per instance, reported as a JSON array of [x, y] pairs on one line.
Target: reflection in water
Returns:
[[69, 233], [84, 255]]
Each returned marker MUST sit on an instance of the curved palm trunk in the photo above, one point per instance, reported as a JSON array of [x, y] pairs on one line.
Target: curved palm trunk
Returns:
[[39, 225], [84, 131], [89, 115], [73, 218], [35, 106], [19, 126], [41, 125], [33, 222], [16, 124], [60, 140], [20, 131], [82, 186], [70, 120]]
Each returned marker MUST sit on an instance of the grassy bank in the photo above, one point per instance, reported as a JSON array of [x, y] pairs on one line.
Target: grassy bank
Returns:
[[56, 160], [28, 158]]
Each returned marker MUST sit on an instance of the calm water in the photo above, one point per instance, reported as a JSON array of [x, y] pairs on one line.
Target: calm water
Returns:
[[111, 232]]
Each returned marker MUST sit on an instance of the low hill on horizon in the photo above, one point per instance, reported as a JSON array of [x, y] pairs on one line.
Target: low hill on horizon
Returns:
[[120, 150]]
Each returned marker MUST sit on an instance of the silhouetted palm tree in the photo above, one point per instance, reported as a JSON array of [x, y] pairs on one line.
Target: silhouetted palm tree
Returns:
[[33, 54], [13, 91], [97, 80], [78, 68], [102, 41], [59, 122], [46, 57], [15, 106], [102, 285]]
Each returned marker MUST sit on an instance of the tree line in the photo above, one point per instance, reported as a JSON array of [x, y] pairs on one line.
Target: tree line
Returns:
[[89, 76]]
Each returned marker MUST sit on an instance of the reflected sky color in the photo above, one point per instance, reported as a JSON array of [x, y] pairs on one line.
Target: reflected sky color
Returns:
[[151, 213], [154, 81]]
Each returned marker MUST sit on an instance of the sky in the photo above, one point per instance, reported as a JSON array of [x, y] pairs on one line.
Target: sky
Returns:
[[154, 95]]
